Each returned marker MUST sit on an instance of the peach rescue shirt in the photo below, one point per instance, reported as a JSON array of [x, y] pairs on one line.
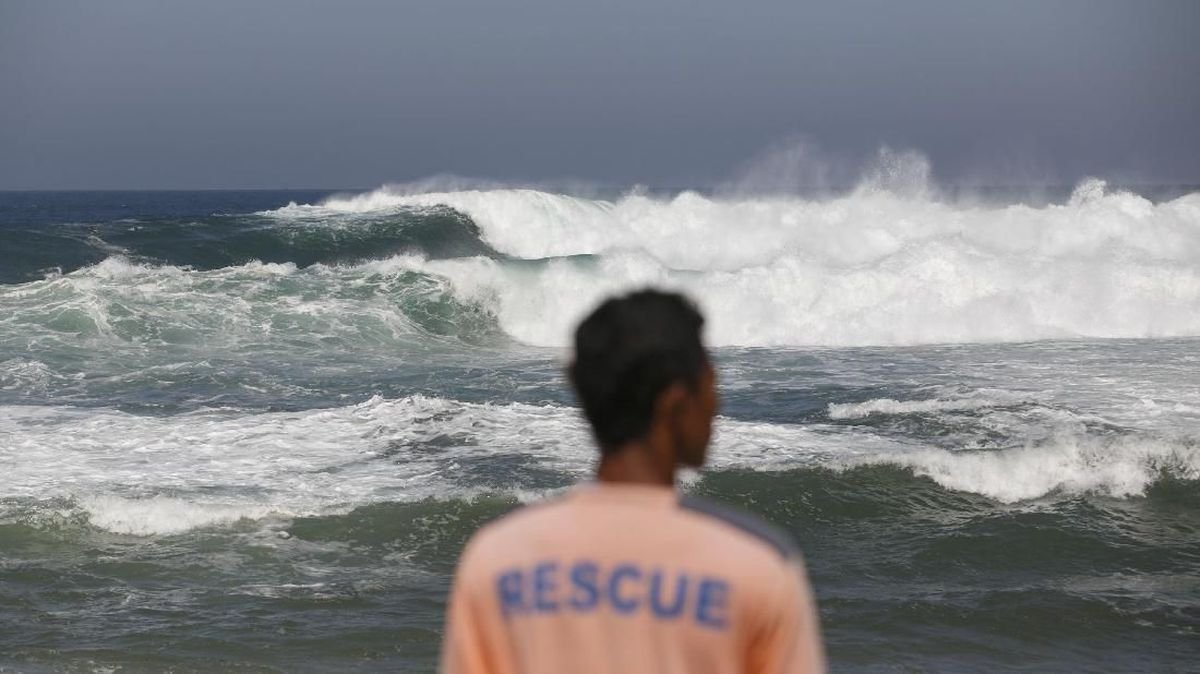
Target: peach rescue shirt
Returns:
[[629, 579]]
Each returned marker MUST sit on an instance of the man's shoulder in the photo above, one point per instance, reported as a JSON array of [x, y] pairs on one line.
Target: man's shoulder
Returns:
[[741, 523]]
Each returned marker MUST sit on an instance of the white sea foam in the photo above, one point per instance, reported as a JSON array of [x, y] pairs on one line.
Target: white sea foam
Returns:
[[141, 475], [1069, 464], [1052, 449], [163, 514], [876, 267], [871, 268], [126, 304], [691, 231], [934, 294], [890, 406], [162, 475], [30, 377]]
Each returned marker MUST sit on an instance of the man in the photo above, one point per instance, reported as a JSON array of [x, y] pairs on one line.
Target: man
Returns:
[[623, 575]]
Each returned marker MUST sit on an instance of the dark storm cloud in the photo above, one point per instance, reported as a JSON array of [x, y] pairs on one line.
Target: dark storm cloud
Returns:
[[282, 93]]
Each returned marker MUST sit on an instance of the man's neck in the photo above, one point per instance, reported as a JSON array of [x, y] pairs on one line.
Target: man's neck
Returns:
[[636, 463]]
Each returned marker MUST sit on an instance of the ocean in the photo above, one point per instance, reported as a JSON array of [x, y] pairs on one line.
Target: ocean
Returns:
[[251, 431]]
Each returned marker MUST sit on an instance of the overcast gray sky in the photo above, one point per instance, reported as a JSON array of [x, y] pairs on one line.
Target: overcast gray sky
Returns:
[[288, 93]]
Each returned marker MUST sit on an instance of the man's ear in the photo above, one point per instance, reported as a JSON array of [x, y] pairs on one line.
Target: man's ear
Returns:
[[670, 400]]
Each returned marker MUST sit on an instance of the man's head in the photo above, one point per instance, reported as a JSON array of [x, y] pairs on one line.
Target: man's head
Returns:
[[641, 372]]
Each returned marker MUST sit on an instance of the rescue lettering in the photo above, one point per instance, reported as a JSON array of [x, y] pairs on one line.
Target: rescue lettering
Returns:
[[550, 587]]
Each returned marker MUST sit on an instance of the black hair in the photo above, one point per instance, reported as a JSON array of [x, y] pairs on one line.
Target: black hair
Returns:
[[627, 352]]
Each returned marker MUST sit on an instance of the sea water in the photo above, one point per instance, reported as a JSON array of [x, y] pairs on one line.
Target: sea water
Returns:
[[252, 430]]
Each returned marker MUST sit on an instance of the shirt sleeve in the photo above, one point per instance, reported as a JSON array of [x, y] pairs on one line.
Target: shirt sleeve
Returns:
[[470, 642], [789, 639]]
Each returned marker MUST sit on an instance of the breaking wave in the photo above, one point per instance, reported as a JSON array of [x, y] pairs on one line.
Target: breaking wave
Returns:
[[143, 475], [889, 406], [870, 268], [873, 267], [1073, 464]]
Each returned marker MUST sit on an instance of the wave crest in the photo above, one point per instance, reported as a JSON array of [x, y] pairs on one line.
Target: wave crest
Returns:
[[162, 475], [876, 267], [890, 406], [1119, 467]]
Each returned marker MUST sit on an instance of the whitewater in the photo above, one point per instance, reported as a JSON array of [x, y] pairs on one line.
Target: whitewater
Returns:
[[870, 268], [253, 430]]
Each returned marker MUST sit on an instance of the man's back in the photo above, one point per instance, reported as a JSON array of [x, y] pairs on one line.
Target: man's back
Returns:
[[630, 578]]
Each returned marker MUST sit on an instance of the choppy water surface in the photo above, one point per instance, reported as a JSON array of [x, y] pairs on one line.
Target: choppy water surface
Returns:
[[253, 430]]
